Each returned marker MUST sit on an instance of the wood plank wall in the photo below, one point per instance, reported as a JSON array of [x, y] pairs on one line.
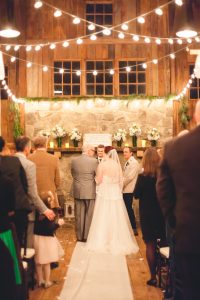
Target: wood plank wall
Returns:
[[168, 77]]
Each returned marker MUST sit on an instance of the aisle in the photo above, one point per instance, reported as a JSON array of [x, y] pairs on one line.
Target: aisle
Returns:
[[96, 276]]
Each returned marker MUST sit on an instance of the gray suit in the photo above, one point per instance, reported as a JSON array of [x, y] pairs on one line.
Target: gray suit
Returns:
[[83, 170]]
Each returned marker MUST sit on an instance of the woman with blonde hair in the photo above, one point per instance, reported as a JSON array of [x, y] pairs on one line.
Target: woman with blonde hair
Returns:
[[151, 219]]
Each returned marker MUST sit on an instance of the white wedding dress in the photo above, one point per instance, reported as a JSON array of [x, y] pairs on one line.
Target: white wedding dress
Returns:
[[110, 230]]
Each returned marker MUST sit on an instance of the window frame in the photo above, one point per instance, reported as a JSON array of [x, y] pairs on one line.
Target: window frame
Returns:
[[197, 88], [2, 87]]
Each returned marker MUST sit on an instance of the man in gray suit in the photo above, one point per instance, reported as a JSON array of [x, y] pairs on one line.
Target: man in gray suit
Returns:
[[23, 150], [83, 170]]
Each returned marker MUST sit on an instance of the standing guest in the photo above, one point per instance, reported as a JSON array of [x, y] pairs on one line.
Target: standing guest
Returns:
[[83, 170], [12, 168], [179, 194], [130, 174], [151, 218], [10, 276], [23, 150], [46, 246], [100, 153], [47, 170]]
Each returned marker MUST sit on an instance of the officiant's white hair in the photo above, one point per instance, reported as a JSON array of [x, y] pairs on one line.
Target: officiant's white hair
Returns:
[[85, 148]]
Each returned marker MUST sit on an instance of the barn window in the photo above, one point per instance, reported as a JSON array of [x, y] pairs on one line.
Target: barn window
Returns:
[[3, 92], [195, 86]]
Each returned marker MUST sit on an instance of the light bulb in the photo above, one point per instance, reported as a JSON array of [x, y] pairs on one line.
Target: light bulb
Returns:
[[159, 11], [155, 61], [95, 73], [57, 13], [93, 37], [128, 69], [65, 44], [76, 20], [37, 48], [179, 2], [29, 64], [147, 40], [188, 85], [91, 26], [179, 41], [79, 41], [38, 4], [13, 59], [121, 35], [106, 31], [78, 73], [141, 20], [170, 41], [124, 26], [45, 68], [158, 41], [16, 48], [144, 66], [189, 41], [187, 49], [136, 38], [8, 47], [193, 76], [28, 48], [61, 71], [172, 55], [112, 72], [3, 82], [52, 46], [197, 39], [190, 81]]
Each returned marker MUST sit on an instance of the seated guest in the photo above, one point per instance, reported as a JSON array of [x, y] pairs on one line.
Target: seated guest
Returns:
[[12, 168], [47, 170], [151, 218], [23, 150]]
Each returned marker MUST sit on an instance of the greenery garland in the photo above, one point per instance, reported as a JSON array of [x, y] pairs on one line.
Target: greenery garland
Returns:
[[17, 128], [184, 113]]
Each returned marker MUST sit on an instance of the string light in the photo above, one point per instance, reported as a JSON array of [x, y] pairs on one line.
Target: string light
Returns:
[[141, 20], [179, 41], [79, 41], [197, 39], [65, 44], [16, 48], [144, 66], [45, 68], [78, 73], [95, 73], [159, 11], [57, 13], [29, 64], [124, 26], [112, 72], [76, 20], [37, 48], [189, 41], [121, 35], [136, 38], [13, 59], [61, 71], [91, 27], [107, 31], [170, 41], [147, 40], [128, 69], [155, 61], [52, 46], [38, 4], [187, 49], [93, 37], [28, 48], [179, 2], [8, 47], [158, 41], [172, 55]]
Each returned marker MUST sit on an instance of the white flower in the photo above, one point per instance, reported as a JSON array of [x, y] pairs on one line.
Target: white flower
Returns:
[[119, 135], [135, 130], [58, 131], [153, 134], [75, 134]]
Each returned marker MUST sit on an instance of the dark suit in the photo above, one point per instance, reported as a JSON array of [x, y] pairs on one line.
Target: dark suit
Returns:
[[178, 189], [12, 168]]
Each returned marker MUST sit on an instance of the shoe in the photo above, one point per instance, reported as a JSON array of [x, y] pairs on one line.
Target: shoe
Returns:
[[152, 282], [135, 231], [48, 284], [41, 284]]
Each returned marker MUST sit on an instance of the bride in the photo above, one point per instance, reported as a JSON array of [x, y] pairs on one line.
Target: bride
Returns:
[[110, 230]]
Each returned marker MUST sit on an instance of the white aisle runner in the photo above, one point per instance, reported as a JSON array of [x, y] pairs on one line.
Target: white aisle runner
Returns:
[[93, 276]]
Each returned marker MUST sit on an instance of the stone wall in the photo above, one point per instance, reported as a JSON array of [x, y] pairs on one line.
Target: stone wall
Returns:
[[99, 116]]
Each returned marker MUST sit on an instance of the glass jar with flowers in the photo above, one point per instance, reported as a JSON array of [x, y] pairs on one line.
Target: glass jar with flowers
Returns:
[[119, 136], [59, 132], [153, 136], [135, 131], [75, 136]]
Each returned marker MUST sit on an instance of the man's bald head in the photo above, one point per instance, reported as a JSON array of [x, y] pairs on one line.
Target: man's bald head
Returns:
[[197, 113]]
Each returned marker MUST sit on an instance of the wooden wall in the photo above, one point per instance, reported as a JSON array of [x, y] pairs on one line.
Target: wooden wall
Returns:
[[168, 77]]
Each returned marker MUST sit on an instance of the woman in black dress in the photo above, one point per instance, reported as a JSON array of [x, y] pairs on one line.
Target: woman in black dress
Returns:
[[151, 218]]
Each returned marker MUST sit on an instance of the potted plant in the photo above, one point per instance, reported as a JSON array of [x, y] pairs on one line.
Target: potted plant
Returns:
[[59, 133], [75, 136], [153, 136], [119, 136], [135, 131]]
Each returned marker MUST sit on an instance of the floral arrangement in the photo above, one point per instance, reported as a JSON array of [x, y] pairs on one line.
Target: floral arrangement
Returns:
[[58, 131], [45, 132], [135, 130], [120, 135], [153, 134], [75, 134]]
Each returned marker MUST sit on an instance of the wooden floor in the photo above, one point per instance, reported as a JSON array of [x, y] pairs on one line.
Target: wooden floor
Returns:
[[137, 266]]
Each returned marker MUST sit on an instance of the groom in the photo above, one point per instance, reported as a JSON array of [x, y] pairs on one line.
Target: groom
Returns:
[[83, 170]]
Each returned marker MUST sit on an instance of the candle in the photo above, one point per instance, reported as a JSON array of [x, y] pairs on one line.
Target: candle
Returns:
[[66, 145], [126, 145], [143, 143], [51, 144]]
